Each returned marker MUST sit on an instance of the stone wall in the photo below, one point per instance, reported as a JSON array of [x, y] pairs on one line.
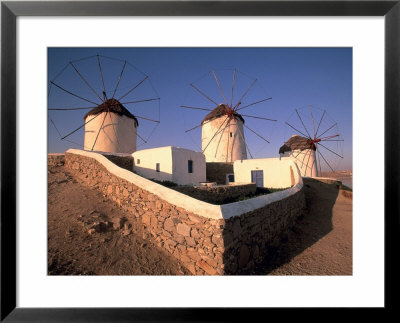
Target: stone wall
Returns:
[[195, 240], [220, 194], [205, 245], [216, 172], [249, 238], [55, 159]]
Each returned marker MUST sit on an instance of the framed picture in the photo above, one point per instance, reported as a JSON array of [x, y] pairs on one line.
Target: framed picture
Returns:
[[15, 44]]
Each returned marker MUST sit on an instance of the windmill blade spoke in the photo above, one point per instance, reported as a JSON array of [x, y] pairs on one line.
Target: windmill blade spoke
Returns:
[[119, 79], [140, 101], [227, 146], [97, 136], [257, 134], [76, 95], [332, 140], [319, 162], [83, 59], [298, 154], [55, 127], [256, 117], [302, 162], [329, 150], [316, 134], [248, 149], [325, 160], [308, 160], [203, 94], [295, 129], [193, 128], [72, 132], [102, 78], [141, 137], [329, 137], [244, 94], [198, 126], [147, 119], [215, 134], [115, 132], [233, 84], [135, 87], [220, 138], [328, 129], [219, 86], [313, 122], [303, 123], [133, 129], [86, 82], [254, 103], [195, 108]]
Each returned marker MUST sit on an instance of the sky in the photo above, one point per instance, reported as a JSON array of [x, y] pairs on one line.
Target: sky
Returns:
[[305, 88]]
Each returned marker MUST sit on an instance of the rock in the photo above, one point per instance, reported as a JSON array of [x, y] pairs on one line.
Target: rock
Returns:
[[179, 238], [244, 255], [91, 231], [256, 253], [169, 225], [194, 233], [236, 228], [183, 229], [190, 241], [194, 219], [117, 223], [146, 219], [206, 267], [250, 266], [194, 255], [217, 240], [127, 232]]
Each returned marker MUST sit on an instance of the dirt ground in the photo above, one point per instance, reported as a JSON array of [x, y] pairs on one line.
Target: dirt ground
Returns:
[[90, 235]]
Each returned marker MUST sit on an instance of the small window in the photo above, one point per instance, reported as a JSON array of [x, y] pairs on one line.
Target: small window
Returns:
[[230, 134], [137, 161], [190, 166], [158, 167]]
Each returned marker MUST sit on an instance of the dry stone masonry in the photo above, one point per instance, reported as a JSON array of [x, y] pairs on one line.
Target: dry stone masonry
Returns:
[[206, 246]]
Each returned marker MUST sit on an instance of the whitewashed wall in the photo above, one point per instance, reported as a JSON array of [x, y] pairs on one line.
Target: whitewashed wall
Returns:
[[276, 171], [180, 174], [148, 160], [305, 160], [117, 134], [173, 165]]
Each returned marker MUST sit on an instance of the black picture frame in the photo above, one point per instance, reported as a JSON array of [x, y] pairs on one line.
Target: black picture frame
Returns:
[[10, 10]]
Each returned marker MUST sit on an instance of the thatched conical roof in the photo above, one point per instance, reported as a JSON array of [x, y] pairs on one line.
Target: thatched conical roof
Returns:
[[296, 143], [114, 106], [219, 111]]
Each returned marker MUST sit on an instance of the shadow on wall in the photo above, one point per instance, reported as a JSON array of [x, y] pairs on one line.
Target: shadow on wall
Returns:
[[151, 173], [308, 229]]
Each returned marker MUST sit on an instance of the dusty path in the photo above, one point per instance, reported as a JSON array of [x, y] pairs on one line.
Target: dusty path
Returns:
[[73, 210], [321, 242], [83, 240]]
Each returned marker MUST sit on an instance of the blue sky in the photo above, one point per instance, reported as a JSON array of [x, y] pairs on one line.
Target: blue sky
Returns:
[[293, 77]]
